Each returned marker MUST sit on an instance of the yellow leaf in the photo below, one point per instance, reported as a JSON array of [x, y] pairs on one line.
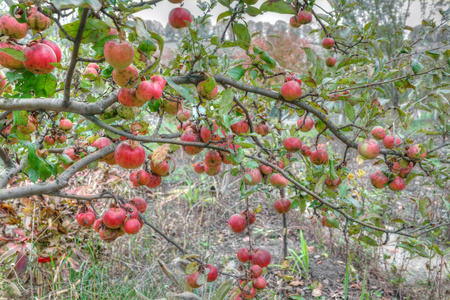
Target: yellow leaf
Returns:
[[350, 176], [359, 160], [361, 173], [160, 153], [285, 265]]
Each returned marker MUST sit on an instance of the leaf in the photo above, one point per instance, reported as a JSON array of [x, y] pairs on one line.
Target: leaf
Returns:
[[310, 54], [349, 111], [423, 203], [253, 11], [236, 72], [94, 31], [98, 47], [184, 296], [223, 290], [184, 92], [191, 268], [17, 54], [350, 61], [160, 153], [243, 36], [368, 240], [433, 55], [20, 118], [224, 15], [45, 85], [416, 66], [168, 273], [279, 6], [319, 185], [209, 84], [309, 81]]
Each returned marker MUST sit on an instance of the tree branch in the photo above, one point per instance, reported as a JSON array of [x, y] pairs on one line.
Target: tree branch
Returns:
[[60, 182], [74, 59]]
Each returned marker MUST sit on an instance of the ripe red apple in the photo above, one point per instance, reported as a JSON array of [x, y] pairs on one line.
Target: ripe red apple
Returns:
[[190, 135], [65, 124], [97, 224], [60, 138], [213, 273], [251, 216], [139, 203], [183, 115], [261, 258], [172, 107], [240, 127], [332, 184], [91, 71], [378, 179], [331, 62], [255, 176], [293, 21], [175, 1], [328, 43], [9, 26], [292, 144], [378, 132], [282, 206], [291, 90], [279, 181], [55, 49], [203, 93], [416, 152], [103, 142], [305, 151], [305, 124], [128, 98], [192, 280], [398, 184], [161, 81], [292, 78], [213, 171], [49, 140], [304, 17], [6, 60], [249, 293], [404, 172], [155, 181], [131, 226], [126, 78], [319, 157], [118, 54], [180, 17], [255, 271], [114, 217], [388, 142], [162, 168], [37, 20], [243, 255], [213, 159], [237, 223], [259, 283], [266, 170], [369, 149], [39, 56], [199, 167], [262, 129], [85, 217], [129, 156]]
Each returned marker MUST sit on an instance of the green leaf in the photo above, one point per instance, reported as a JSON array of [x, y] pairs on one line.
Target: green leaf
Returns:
[[353, 60], [416, 66], [267, 58], [94, 31], [20, 118], [279, 6], [433, 55], [185, 92], [17, 54], [349, 111], [423, 203], [319, 185], [236, 72], [227, 101], [45, 85], [223, 290], [44, 171], [33, 174], [309, 81], [310, 54], [98, 47], [224, 15], [243, 36], [368, 240], [253, 11], [13, 76]]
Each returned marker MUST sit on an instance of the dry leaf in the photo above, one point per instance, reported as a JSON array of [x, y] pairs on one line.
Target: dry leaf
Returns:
[[160, 153], [316, 293], [297, 283]]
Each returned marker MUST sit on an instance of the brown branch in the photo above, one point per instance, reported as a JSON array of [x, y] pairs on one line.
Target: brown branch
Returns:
[[74, 59]]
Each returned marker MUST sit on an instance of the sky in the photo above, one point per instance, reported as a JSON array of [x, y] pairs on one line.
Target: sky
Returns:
[[161, 12]]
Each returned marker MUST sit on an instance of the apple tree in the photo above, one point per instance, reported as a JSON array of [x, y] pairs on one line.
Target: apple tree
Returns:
[[81, 80]]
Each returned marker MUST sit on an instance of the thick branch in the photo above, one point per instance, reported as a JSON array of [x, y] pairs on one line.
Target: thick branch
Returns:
[[74, 59], [55, 104], [61, 181]]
